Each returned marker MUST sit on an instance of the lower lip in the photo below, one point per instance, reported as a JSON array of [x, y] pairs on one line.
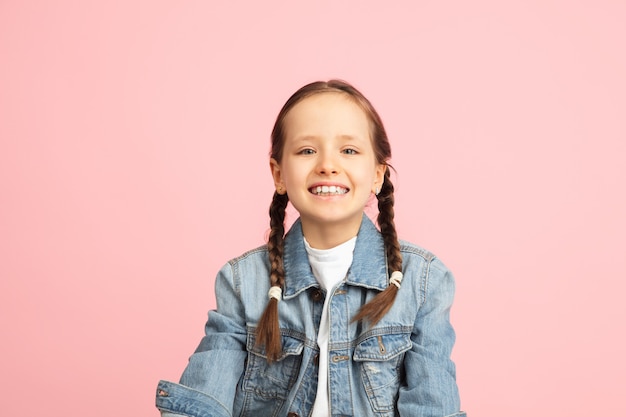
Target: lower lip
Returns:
[[329, 195]]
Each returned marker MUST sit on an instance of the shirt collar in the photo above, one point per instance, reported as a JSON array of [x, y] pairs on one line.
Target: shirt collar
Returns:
[[368, 269]]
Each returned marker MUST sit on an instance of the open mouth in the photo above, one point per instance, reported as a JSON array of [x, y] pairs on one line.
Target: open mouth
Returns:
[[328, 190]]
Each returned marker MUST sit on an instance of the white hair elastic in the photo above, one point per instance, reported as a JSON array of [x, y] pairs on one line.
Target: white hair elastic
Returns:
[[396, 278], [275, 292]]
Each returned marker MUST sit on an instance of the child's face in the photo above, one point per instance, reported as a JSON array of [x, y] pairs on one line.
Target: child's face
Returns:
[[328, 167]]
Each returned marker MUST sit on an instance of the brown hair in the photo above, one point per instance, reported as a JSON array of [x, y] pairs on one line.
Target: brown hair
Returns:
[[268, 330]]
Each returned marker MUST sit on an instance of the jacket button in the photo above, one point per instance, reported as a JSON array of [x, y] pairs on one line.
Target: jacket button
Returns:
[[317, 295], [292, 414]]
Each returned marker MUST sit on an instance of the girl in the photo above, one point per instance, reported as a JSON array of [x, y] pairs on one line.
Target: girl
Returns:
[[334, 318]]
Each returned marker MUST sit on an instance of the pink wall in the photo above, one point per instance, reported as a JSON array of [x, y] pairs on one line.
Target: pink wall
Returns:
[[133, 164]]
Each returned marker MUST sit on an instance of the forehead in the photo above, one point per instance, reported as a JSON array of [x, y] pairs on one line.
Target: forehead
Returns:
[[327, 113]]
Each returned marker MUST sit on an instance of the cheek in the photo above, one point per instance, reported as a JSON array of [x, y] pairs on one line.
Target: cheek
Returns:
[[292, 174], [371, 175], [366, 183]]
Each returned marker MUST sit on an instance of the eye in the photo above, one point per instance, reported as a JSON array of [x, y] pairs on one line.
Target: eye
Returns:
[[350, 151], [306, 151]]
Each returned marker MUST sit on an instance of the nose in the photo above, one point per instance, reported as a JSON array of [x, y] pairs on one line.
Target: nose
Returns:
[[327, 164]]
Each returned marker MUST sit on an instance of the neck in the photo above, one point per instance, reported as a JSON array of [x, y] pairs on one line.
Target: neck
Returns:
[[329, 235]]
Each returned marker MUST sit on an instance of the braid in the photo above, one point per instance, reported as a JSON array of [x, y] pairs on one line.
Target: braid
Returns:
[[268, 329], [376, 309], [275, 240], [387, 225]]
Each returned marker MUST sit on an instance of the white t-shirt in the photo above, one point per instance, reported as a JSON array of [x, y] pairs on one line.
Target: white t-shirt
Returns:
[[330, 267]]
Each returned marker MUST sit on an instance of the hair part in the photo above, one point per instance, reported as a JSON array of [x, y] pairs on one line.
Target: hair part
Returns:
[[268, 328]]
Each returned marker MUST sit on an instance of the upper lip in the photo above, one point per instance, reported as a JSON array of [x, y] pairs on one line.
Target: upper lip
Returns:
[[321, 184]]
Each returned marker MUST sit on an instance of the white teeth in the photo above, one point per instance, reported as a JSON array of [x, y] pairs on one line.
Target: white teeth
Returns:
[[328, 190]]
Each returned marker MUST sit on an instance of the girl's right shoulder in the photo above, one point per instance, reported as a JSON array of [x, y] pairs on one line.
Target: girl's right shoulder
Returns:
[[245, 278], [250, 270], [253, 255]]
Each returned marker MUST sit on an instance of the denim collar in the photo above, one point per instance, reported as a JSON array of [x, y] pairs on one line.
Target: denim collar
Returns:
[[369, 263]]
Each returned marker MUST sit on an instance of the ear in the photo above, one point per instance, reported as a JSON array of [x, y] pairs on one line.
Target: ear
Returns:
[[277, 176], [379, 177]]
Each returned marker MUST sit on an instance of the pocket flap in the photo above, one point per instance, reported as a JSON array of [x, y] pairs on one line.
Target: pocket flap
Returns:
[[382, 347], [291, 346]]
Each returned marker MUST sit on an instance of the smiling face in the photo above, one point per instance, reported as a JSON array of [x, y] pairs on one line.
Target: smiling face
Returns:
[[328, 166]]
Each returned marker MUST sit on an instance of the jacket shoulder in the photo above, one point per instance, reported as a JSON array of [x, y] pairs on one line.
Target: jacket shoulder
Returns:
[[252, 254], [411, 249]]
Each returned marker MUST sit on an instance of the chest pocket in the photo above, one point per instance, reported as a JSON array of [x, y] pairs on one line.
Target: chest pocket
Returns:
[[380, 359], [272, 381]]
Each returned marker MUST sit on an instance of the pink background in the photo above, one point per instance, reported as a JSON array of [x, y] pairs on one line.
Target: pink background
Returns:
[[133, 164]]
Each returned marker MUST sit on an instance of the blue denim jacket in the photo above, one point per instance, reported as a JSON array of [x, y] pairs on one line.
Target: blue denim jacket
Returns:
[[399, 367]]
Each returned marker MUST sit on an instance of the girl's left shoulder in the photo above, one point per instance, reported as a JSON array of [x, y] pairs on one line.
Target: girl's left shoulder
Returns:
[[411, 249], [413, 255]]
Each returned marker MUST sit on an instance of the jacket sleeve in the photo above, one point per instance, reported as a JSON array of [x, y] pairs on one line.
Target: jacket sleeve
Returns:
[[213, 372], [431, 389]]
